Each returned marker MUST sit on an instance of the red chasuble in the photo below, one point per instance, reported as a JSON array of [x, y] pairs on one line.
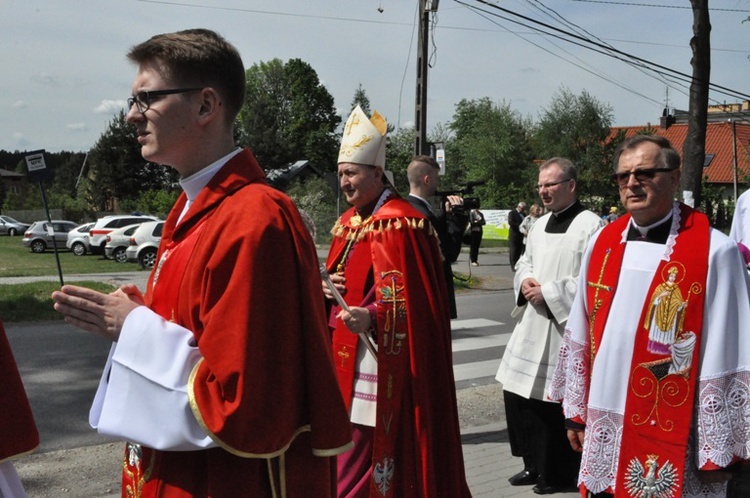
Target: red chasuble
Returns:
[[18, 434], [240, 271], [663, 372], [417, 445]]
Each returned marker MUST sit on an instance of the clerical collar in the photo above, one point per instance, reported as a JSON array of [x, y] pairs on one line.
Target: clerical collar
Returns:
[[193, 184], [560, 221], [656, 232]]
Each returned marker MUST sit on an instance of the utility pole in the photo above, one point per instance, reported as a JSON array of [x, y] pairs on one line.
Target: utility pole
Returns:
[[426, 7]]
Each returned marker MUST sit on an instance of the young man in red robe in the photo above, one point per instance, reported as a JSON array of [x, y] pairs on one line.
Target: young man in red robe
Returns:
[[399, 388], [18, 433], [220, 378]]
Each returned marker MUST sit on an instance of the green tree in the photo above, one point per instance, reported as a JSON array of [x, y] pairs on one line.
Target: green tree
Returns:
[[117, 171], [361, 99], [289, 115], [491, 142], [315, 199], [577, 127]]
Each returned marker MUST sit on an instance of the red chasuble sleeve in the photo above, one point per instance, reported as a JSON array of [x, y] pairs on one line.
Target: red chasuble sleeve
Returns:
[[18, 433], [252, 296]]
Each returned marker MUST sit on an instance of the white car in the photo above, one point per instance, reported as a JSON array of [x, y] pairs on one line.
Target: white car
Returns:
[[98, 234], [144, 243], [78, 239], [117, 241]]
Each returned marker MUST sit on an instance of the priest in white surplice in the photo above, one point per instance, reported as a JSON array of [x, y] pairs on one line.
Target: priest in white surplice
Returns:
[[668, 421], [545, 285]]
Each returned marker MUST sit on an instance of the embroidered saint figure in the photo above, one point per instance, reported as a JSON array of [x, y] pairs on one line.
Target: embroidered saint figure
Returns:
[[665, 314]]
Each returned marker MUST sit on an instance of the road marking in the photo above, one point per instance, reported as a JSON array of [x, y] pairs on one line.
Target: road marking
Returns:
[[476, 370], [481, 342], [473, 323]]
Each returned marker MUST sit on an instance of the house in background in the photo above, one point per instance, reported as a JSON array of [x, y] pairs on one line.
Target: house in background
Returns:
[[727, 162]]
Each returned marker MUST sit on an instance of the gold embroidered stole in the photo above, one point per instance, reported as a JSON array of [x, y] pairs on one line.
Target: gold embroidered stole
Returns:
[[663, 371]]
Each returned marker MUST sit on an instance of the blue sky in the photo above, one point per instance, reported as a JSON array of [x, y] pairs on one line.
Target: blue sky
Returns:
[[65, 74]]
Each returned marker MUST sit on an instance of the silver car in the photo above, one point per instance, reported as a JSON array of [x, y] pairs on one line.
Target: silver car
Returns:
[[39, 235], [78, 240], [12, 227]]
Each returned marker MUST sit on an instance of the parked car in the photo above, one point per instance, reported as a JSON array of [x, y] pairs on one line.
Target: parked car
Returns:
[[144, 243], [117, 241], [12, 227], [102, 227], [78, 239], [39, 238]]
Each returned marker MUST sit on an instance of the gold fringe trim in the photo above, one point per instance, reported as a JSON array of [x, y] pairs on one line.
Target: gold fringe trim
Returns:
[[379, 226]]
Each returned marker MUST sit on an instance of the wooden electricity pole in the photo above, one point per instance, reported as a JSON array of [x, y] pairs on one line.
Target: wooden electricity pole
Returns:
[[694, 148], [426, 7]]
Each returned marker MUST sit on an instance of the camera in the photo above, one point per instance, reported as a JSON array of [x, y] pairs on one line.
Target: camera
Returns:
[[468, 189]]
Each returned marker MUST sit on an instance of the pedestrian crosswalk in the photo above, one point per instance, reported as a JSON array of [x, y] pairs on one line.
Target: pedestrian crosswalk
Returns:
[[477, 349]]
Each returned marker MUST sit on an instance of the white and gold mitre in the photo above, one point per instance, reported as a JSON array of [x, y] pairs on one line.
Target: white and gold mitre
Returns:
[[364, 139]]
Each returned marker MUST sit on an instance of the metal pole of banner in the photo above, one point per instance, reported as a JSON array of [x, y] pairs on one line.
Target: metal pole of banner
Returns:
[[51, 233]]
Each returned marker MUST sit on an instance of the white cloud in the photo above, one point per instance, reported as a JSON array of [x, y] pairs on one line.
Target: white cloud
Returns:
[[109, 106], [19, 104], [77, 127]]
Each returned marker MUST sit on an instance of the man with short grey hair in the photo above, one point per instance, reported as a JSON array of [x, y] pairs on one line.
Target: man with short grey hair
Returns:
[[653, 371]]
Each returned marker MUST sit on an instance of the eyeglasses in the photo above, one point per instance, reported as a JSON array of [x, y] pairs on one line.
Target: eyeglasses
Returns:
[[143, 100], [641, 175], [549, 185]]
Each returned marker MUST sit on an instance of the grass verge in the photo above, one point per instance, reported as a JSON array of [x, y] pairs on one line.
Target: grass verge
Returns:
[[19, 261], [32, 301]]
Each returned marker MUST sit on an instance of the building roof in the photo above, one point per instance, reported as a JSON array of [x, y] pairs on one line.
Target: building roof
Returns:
[[720, 140], [281, 178], [5, 173]]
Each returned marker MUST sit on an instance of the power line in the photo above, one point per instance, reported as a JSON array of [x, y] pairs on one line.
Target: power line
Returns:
[[611, 2], [603, 49]]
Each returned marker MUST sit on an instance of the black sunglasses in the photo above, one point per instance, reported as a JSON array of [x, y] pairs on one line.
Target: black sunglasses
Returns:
[[640, 175]]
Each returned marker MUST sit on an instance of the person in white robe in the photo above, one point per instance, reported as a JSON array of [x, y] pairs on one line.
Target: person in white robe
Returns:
[[595, 391], [545, 285]]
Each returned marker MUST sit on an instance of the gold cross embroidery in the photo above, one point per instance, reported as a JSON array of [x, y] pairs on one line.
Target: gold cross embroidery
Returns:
[[343, 355], [597, 302], [392, 299]]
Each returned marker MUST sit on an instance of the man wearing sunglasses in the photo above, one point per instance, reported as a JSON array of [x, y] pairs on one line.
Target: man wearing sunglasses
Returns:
[[656, 348], [220, 377]]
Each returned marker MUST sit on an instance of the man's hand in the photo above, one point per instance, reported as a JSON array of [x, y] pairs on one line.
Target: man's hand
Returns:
[[576, 440], [451, 201], [357, 319], [532, 291], [339, 282], [96, 312]]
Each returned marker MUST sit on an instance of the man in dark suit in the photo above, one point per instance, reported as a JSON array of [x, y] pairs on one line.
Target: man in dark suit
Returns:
[[515, 237], [449, 222]]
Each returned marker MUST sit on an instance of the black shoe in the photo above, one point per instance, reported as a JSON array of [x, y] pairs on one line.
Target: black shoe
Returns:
[[547, 489], [523, 478]]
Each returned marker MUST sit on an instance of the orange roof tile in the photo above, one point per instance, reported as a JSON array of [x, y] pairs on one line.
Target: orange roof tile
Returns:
[[719, 142]]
